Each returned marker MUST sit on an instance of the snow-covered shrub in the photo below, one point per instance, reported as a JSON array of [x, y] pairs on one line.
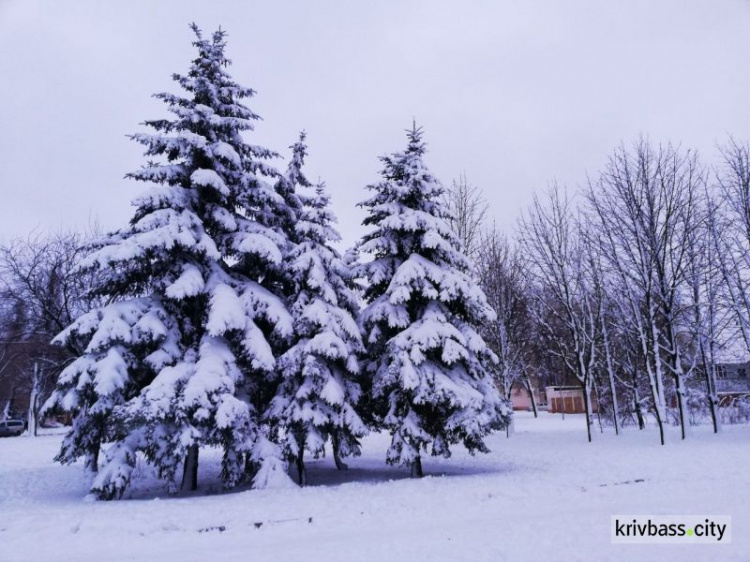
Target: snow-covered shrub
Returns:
[[697, 407], [737, 411]]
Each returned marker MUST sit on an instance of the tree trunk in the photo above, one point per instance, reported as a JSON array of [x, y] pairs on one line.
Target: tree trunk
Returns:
[[615, 407], [33, 403], [587, 407], [611, 376], [660, 423], [598, 409], [657, 397], [91, 463], [299, 460], [680, 390], [713, 399], [509, 398], [511, 427], [660, 412], [655, 376], [530, 390], [713, 404], [675, 366], [637, 403], [416, 467], [33, 412], [190, 471], [340, 465]]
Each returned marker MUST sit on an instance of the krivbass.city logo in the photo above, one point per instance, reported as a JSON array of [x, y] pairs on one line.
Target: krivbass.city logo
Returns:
[[671, 529]]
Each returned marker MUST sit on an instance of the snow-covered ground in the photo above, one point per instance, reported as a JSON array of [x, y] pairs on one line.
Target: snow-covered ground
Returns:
[[544, 494]]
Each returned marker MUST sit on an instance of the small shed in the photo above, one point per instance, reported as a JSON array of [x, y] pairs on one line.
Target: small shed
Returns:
[[568, 400]]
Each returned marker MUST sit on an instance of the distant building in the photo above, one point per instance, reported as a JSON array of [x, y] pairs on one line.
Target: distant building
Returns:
[[521, 400], [568, 400], [732, 372]]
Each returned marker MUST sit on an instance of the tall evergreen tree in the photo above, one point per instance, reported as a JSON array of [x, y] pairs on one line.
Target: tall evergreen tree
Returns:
[[318, 396], [426, 361], [184, 355]]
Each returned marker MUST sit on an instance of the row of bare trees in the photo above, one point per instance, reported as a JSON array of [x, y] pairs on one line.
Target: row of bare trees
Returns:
[[632, 286], [41, 292]]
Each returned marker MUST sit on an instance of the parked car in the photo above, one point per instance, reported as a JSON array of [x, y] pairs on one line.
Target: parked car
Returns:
[[10, 428]]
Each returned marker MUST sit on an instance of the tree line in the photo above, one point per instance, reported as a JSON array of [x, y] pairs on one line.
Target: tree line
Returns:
[[634, 286]]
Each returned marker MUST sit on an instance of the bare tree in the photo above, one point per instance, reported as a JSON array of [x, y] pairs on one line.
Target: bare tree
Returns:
[[602, 302], [9, 354], [731, 231], [565, 308], [501, 273], [469, 212], [711, 318], [625, 347], [43, 291]]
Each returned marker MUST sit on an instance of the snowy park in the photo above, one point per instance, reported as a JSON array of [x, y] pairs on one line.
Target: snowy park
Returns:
[[542, 494], [410, 281]]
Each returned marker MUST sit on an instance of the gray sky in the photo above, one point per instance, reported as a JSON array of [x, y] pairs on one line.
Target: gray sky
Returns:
[[514, 93]]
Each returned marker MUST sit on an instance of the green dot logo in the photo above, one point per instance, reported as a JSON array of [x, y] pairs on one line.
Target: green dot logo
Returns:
[[690, 532]]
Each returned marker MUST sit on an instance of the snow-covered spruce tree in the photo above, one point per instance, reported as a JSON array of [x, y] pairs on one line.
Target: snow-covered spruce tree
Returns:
[[318, 395], [192, 261], [427, 362]]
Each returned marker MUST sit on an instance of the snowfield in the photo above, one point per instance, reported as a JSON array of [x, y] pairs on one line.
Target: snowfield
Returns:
[[544, 494]]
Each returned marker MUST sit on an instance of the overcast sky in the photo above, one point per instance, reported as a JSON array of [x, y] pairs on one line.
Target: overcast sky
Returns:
[[513, 93]]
